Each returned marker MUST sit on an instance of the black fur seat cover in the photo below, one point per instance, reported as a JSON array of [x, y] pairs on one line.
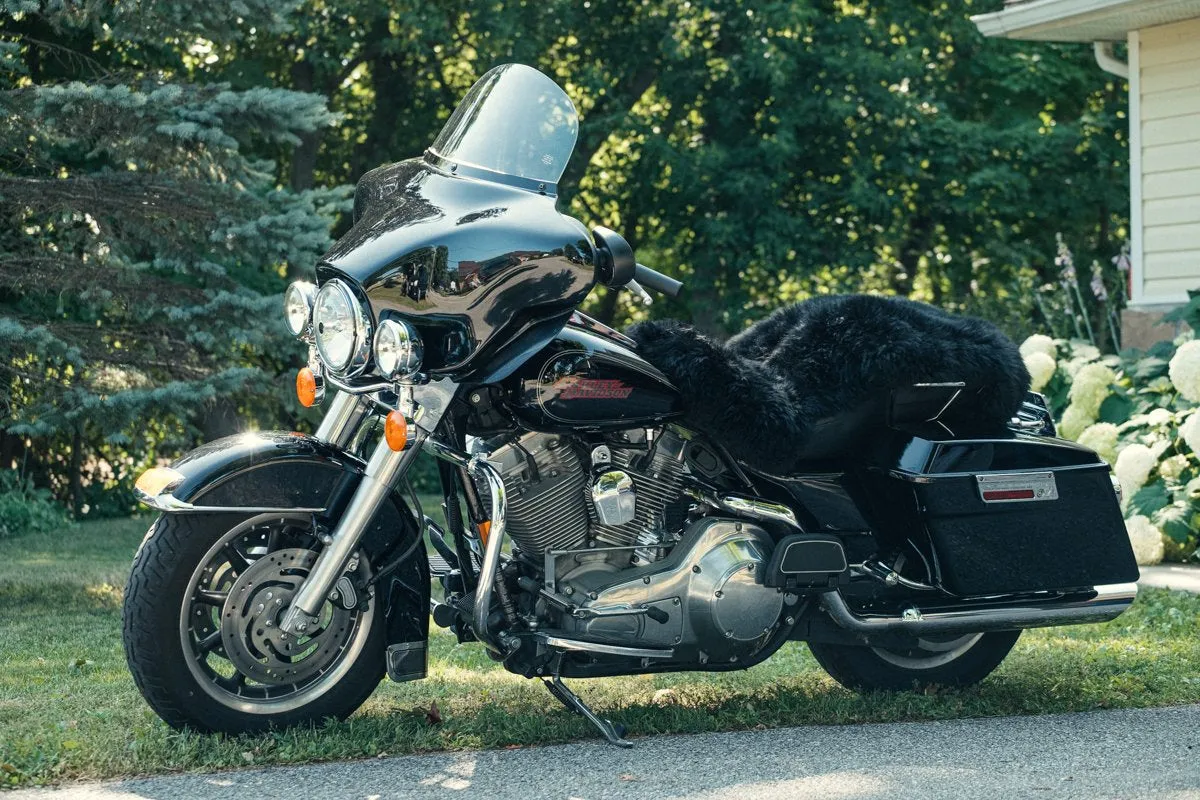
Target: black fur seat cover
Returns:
[[767, 392]]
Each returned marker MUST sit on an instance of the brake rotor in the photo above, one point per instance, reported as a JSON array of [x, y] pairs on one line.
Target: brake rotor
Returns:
[[250, 619]]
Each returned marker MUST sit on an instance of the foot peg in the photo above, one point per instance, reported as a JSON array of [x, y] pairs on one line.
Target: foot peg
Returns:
[[613, 732]]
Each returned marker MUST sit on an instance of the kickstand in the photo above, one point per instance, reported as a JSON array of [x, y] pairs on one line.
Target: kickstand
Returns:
[[613, 732]]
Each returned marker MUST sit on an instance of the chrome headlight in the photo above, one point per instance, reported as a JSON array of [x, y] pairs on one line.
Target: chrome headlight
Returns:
[[398, 349], [341, 328], [298, 306]]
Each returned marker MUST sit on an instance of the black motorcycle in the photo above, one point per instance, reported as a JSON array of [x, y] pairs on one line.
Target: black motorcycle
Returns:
[[869, 476]]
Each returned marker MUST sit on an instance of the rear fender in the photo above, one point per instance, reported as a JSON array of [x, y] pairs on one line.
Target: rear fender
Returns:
[[256, 473]]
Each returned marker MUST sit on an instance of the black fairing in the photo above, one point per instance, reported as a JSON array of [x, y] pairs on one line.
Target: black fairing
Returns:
[[586, 381], [477, 266]]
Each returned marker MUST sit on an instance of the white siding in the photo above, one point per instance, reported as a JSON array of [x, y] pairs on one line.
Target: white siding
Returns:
[[1166, 167]]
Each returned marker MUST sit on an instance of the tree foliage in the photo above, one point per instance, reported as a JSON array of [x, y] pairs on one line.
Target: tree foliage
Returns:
[[166, 164], [144, 237]]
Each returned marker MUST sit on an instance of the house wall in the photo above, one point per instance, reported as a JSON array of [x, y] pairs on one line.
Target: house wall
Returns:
[[1165, 161]]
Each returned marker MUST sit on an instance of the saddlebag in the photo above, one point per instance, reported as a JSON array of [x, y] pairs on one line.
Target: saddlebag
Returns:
[[1008, 512]]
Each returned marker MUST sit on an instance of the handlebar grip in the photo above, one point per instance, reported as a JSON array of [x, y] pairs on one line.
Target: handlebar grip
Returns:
[[655, 280]]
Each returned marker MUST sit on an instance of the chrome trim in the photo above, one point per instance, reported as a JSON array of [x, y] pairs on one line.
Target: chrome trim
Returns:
[[341, 421], [491, 553], [383, 471], [1118, 489], [1041, 484], [755, 509], [1100, 604], [578, 645], [478, 468], [366, 388], [168, 502], [614, 498], [409, 342], [360, 353], [308, 295]]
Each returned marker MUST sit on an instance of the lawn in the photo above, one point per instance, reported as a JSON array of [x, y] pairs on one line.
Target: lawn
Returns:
[[69, 710]]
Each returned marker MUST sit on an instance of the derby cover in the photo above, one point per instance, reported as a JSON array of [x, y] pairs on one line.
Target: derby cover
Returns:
[[811, 379]]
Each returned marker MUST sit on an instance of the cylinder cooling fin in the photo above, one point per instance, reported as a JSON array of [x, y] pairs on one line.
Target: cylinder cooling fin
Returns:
[[545, 480], [552, 481]]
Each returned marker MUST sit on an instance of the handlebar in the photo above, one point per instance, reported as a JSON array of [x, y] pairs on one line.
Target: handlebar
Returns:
[[657, 281]]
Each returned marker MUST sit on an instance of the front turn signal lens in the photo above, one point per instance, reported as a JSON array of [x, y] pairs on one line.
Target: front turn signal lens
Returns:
[[306, 387], [395, 431]]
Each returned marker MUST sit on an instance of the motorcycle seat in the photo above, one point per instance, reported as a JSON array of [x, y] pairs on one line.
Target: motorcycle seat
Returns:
[[815, 379]]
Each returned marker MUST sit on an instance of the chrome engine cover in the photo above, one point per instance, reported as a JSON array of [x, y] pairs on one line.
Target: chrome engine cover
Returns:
[[711, 588]]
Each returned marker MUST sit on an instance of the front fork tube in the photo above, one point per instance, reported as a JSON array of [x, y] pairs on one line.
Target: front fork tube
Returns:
[[383, 472], [342, 420]]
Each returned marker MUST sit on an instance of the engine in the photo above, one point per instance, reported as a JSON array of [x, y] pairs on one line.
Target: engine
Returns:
[[554, 504], [606, 528]]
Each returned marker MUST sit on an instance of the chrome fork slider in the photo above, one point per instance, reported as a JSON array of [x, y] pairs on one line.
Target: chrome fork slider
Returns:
[[383, 471]]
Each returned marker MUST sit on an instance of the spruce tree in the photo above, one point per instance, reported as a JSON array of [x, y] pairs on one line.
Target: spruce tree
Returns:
[[146, 236]]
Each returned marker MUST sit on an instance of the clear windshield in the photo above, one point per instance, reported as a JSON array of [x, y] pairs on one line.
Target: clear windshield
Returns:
[[514, 121]]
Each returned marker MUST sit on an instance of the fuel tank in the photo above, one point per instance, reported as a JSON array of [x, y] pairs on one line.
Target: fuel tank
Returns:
[[591, 380]]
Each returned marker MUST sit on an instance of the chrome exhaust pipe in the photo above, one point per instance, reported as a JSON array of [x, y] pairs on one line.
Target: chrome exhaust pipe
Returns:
[[1100, 604]]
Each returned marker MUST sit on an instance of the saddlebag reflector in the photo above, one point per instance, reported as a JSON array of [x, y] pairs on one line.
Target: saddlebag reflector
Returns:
[[1017, 486]]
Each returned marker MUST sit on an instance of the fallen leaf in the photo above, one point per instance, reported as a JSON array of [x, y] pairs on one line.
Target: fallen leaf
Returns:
[[629, 777]]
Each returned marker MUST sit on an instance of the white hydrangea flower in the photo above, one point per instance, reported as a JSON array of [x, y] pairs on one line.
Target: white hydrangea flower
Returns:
[[1190, 431], [1159, 417], [1039, 344], [1184, 370], [1146, 540], [1172, 468], [1041, 369], [1074, 420], [1133, 467], [1092, 384], [1101, 437]]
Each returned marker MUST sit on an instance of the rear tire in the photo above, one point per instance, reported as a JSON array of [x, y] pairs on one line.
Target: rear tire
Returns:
[[193, 685], [943, 662]]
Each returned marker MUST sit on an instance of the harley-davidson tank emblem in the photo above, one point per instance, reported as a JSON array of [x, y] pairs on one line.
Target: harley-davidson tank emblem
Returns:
[[574, 387]]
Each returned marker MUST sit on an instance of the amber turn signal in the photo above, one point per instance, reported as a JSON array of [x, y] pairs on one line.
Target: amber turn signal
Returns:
[[485, 528], [306, 387], [395, 430]]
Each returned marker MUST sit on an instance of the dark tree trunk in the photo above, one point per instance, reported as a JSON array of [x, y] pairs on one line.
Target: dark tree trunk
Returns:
[[76, 485], [607, 310], [304, 158], [221, 419]]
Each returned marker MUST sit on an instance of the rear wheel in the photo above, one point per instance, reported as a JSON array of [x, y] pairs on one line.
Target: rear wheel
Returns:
[[930, 661], [201, 627]]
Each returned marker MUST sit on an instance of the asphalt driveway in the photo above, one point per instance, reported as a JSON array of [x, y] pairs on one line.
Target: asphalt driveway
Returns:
[[1104, 754]]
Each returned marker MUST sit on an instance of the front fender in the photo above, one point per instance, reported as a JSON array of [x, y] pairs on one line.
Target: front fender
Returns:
[[256, 473]]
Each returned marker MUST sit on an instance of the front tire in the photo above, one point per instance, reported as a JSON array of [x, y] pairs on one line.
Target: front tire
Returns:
[[202, 641], [931, 662]]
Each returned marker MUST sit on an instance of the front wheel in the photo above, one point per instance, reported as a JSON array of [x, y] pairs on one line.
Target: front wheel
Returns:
[[955, 661], [201, 627]]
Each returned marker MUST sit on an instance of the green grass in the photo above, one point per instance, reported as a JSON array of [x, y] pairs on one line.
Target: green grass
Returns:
[[69, 710]]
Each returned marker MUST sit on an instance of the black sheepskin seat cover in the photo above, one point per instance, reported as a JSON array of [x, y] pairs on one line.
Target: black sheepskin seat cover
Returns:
[[769, 392]]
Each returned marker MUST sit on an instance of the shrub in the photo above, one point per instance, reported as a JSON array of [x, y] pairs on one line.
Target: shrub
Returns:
[[26, 509], [1140, 411]]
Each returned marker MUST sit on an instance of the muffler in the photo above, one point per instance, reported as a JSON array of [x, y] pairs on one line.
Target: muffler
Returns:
[[1100, 604]]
